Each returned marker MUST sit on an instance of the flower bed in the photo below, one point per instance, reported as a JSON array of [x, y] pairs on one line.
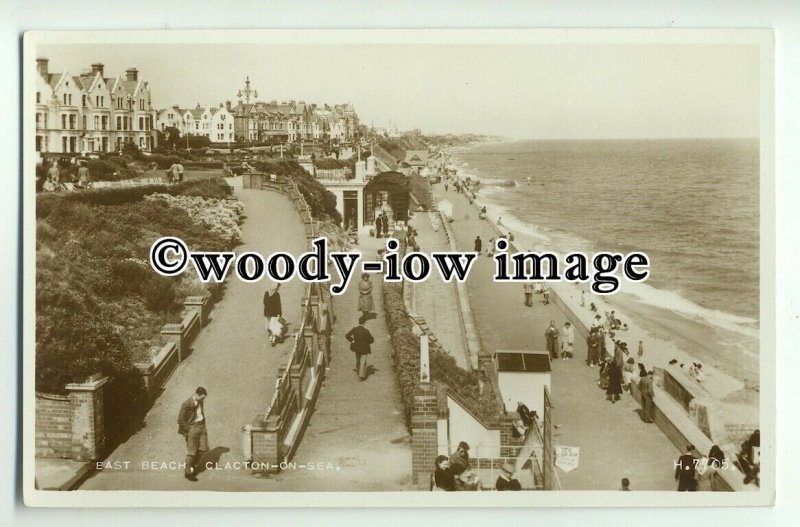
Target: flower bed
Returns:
[[222, 217]]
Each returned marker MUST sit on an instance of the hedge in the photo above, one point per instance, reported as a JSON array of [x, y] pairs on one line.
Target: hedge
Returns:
[[321, 200], [405, 357]]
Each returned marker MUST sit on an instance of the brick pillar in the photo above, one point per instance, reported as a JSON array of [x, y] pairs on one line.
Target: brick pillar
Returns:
[[88, 430], [174, 333], [265, 444], [201, 304], [424, 433]]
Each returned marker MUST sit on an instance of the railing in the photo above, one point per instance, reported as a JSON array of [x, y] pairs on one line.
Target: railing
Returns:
[[274, 435]]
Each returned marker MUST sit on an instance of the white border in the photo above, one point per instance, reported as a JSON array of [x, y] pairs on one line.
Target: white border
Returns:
[[571, 499]]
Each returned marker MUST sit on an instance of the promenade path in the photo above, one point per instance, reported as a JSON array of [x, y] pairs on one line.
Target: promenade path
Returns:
[[357, 426], [614, 442], [231, 358]]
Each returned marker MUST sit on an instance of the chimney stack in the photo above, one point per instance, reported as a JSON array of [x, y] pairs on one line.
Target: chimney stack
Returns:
[[97, 67], [41, 66], [228, 105], [132, 74]]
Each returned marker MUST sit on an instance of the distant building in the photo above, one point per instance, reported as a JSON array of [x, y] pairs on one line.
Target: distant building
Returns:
[[215, 122], [90, 112], [292, 121]]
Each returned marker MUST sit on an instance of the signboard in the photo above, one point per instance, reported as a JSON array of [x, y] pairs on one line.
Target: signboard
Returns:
[[567, 457]]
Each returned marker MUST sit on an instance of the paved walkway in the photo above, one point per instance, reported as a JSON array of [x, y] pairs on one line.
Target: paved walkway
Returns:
[[358, 426], [614, 442], [437, 300], [231, 358]]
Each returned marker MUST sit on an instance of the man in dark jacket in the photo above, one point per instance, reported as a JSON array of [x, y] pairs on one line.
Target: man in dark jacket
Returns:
[[272, 311], [360, 339], [685, 470], [478, 244], [378, 225], [192, 426], [506, 480]]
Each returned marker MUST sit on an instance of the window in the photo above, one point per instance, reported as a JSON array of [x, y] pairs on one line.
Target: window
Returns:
[[65, 98], [72, 121], [83, 100], [141, 123], [38, 97], [63, 121], [84, 122], [64, 145], [96, 122], [105, 127], [97, 100], [102, 100], [119, 123], [69, 98], [38, 143]]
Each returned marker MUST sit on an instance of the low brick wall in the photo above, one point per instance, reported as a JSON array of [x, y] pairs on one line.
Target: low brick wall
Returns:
[[53, 425]]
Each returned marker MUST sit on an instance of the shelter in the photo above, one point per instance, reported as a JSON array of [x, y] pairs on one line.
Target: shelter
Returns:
[[387, 192], [522, 376]]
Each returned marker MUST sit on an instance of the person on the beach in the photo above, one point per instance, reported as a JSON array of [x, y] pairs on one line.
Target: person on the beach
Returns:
[[272, 312], [546, 294], [614, 389], [360, 343], [527, 290], [646, 391], [551, 336], [478, 244], [365, 302], [378, 225], [567, 340]]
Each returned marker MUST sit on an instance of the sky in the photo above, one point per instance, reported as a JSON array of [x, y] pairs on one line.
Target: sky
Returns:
[[524, 91]]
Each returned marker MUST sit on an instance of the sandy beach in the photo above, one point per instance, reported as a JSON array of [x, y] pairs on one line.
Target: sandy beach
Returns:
[[729, 358]]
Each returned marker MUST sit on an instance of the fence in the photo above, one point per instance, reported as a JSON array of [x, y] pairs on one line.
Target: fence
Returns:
[[275, 433]]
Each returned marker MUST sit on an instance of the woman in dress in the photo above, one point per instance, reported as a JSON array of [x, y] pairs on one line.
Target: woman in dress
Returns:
[[365, 302], [628, 373]]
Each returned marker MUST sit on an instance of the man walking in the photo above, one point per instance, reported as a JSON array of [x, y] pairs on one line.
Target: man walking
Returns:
[[378, 225], [551, 335], [646, 391], [478, 244], [360, 340], [546, 294], [192, 426]]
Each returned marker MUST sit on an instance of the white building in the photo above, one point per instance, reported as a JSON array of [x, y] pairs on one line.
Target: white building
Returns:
[[214, 122], [90, 112]]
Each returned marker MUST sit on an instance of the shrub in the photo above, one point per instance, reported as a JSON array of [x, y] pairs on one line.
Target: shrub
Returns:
[[321, 201], [420, 189], [159, 294]]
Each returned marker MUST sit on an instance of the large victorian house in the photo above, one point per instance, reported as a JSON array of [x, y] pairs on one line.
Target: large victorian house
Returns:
[[90, 112]]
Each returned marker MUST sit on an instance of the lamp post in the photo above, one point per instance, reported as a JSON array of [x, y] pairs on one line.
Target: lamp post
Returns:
[[247, 92]]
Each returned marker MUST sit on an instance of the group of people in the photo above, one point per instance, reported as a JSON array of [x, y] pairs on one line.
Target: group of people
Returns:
[[454, 473], [560, 343], [175, 173], [381, 225], [58, 178]]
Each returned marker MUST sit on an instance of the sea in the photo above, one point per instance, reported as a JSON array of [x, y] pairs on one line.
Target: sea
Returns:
[[691, 205]]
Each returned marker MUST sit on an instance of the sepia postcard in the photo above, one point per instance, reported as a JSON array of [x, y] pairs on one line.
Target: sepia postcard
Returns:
[[406, 268]]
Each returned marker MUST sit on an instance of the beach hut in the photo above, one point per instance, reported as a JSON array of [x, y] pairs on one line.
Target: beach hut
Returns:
[[522, 376]]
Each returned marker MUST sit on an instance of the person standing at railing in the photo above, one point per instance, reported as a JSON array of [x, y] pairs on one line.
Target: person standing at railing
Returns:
[[192, 426], [273, 313]]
